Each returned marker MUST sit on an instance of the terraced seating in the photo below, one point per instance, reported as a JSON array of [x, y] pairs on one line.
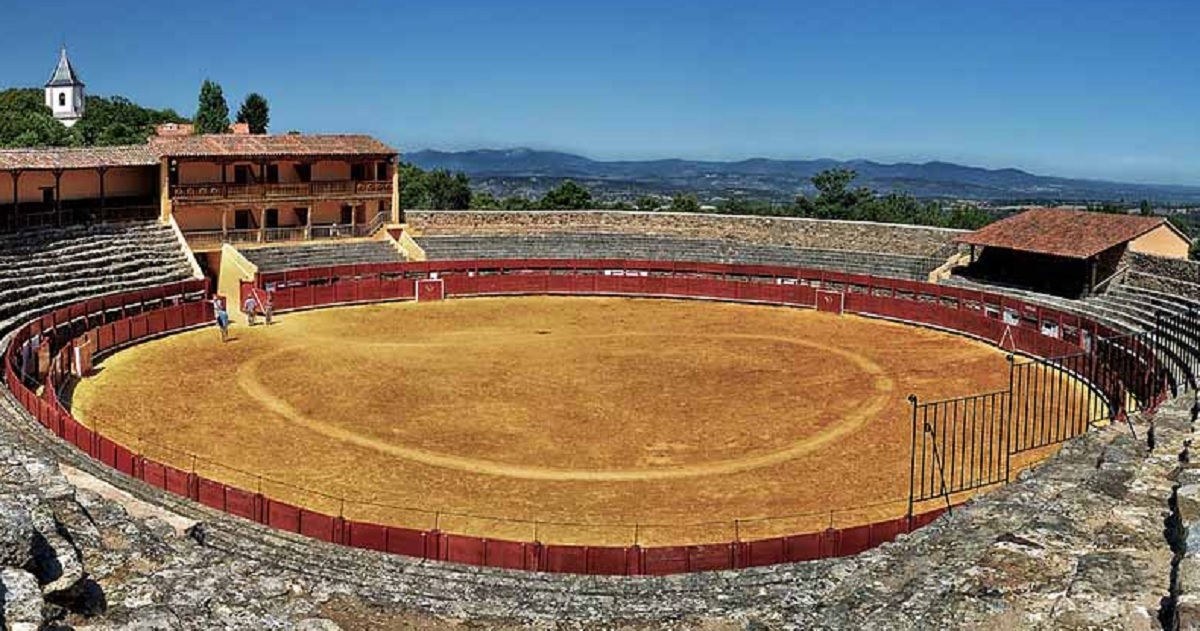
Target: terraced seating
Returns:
[[45, 268], [624, 246], [1123, 308], [1152, 310], [280, 258]]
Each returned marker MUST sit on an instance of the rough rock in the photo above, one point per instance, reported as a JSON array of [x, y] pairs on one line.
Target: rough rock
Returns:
[[22, 599], [16, 534]]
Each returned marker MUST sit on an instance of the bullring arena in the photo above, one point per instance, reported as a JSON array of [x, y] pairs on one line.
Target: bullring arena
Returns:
[[513, 402], [585, 416]]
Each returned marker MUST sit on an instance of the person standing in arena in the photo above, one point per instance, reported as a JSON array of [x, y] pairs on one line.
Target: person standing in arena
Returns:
[[269, 307], [222, 317], [249, 306]]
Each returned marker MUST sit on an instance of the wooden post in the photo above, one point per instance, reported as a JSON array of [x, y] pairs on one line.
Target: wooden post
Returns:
[[262, 223], [224, 224], [308, 223], [58, 173], [102, 171], [16, 175]]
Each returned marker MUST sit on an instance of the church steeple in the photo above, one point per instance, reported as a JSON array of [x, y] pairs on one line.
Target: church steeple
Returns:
[[64, 91]]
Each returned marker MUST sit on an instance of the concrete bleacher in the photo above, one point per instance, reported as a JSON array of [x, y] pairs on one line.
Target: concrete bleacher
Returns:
[[625, 246], [285, 257], [45, 268], [1124, 308]]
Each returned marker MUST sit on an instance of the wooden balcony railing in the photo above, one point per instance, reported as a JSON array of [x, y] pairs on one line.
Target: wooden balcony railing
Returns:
[[214, 238], [291, 190]]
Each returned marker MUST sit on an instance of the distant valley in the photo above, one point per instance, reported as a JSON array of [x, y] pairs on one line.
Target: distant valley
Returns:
[[531, 173]]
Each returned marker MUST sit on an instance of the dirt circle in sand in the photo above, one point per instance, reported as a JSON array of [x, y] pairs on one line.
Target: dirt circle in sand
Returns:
[[581, 410]]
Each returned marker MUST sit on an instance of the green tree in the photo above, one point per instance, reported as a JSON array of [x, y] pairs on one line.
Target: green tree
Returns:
[[447, 191], [516, 202], [212, 114], [967, 217], [413, 193], [682, 203], [567, 196], [118, 121], [255, 112], [484, 201], [1145, 208], [25, 121], [835, 200], [648, 202]]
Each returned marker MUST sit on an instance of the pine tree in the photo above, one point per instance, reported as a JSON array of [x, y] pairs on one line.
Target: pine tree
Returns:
[[212, 116], [255, 112]]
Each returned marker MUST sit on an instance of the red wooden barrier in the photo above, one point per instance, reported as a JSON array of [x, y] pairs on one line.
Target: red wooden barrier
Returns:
[[665, 560], [564, 559], [512, 555], [369, 536], [461, 549], [805, 547], [765, 552], [407, 541], [317, 525], [242, 503], [212, 494], [717, 556], [176, 481]]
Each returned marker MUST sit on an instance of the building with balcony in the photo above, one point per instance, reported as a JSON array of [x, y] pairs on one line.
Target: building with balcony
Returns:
[[226, 188]]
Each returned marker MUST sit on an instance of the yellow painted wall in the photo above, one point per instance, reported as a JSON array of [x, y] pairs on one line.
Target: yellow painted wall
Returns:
[[1162, 241], [234, 268]]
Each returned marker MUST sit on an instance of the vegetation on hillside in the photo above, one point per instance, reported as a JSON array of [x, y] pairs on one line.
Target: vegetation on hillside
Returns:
[[25, 121]]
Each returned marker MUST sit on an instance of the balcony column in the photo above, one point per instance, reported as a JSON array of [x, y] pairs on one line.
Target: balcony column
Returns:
[[16, 176], [397, 216], [102, 171], [308, 223], [224, 224], [262, 224], [58, 173]]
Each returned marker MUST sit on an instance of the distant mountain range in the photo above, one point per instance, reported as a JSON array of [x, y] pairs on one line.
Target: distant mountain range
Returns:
[[531, 172]]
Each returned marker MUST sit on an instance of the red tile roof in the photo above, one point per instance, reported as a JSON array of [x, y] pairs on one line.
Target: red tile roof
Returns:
[[77, 158], [1077, 234], [240, 145]]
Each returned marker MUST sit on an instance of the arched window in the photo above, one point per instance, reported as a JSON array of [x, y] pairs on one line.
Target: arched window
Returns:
[[62, 99]]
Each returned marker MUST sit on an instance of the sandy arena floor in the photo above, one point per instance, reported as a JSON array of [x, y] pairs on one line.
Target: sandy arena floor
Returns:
[[606, 420]]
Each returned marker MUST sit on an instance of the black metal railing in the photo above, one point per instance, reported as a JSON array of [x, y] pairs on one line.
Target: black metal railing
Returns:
[[968, 443]]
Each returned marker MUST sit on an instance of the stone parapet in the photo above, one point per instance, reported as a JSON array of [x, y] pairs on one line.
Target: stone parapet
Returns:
[[855, 236]]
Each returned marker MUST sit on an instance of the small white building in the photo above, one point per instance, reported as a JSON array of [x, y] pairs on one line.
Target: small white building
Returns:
[[64, 92]]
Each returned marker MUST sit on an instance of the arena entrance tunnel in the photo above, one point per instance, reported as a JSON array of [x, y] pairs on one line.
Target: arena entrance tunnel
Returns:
[[959, 446]]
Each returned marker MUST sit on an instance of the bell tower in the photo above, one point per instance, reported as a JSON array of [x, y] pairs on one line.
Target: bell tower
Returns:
[[64, 91]]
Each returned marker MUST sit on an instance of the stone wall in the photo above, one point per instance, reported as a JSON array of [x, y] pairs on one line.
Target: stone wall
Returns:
[[854, 236]]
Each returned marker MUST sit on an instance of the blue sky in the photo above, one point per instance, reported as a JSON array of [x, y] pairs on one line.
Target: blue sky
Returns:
[[1104, 89]]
